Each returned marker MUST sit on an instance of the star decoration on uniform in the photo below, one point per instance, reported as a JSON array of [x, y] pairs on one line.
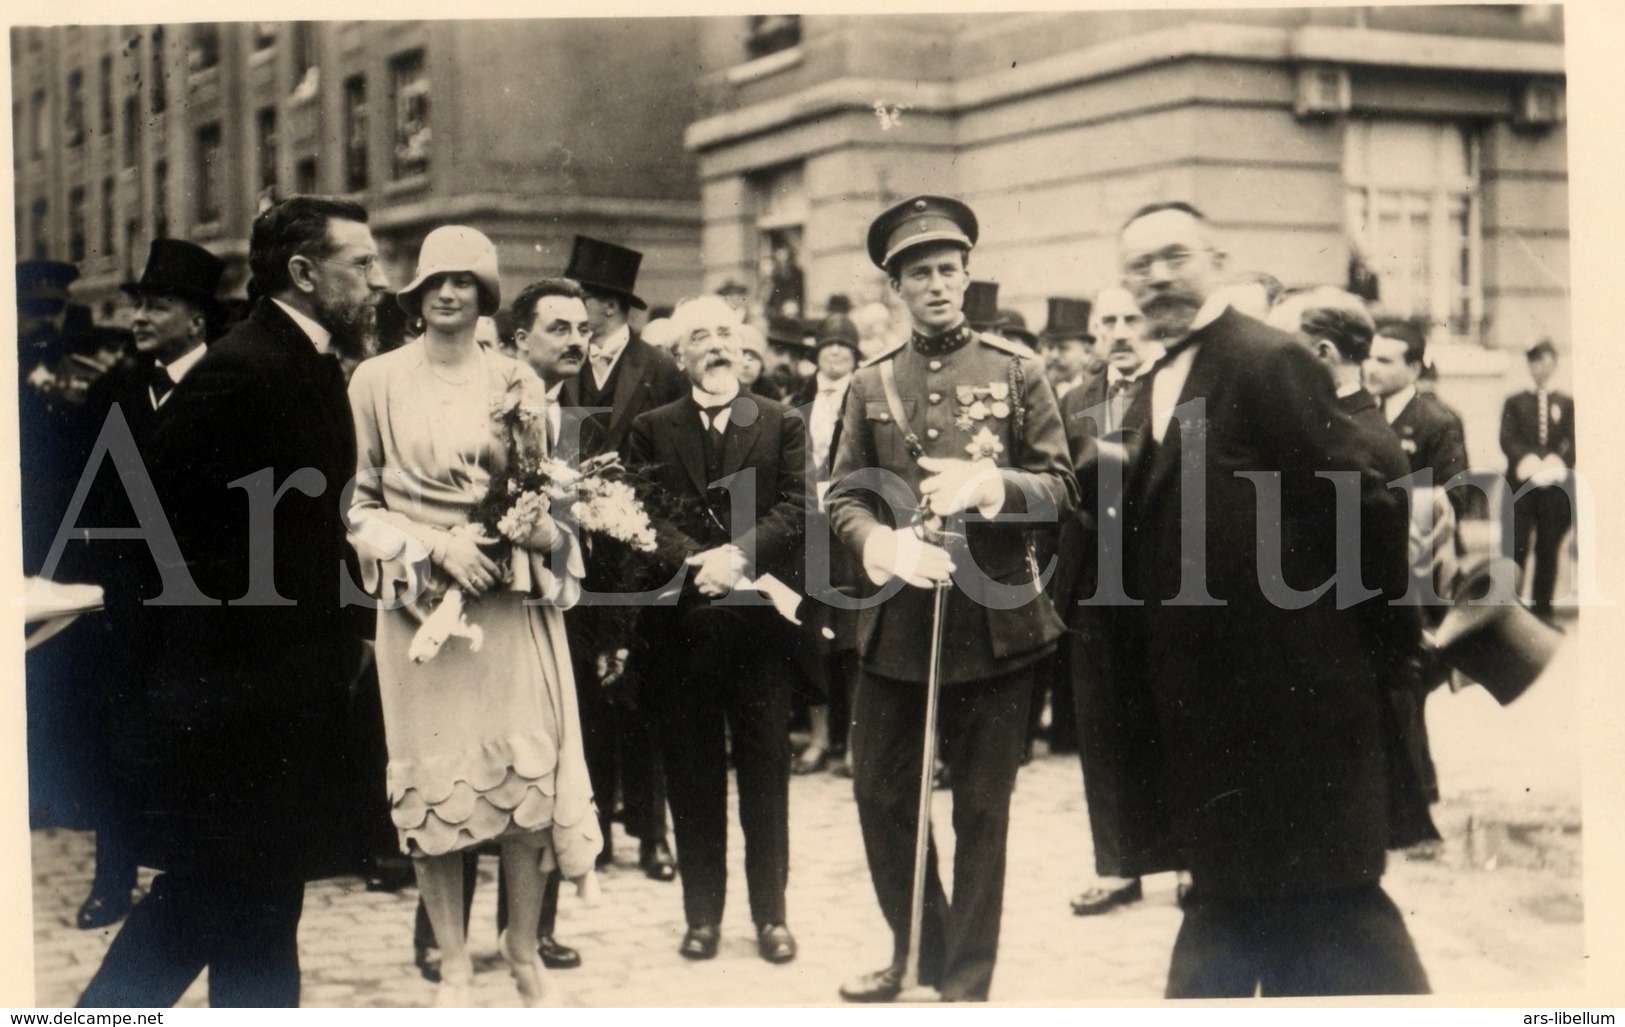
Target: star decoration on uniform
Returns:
[[984, 445]]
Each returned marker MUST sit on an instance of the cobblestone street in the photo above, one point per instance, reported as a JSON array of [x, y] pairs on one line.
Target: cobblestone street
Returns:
[[1498, 912]]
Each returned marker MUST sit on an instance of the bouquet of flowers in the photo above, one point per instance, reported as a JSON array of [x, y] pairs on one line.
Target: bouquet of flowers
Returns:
[[598, 498]]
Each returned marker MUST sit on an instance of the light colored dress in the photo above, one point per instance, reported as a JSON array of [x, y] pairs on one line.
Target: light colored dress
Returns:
[[482, 745]]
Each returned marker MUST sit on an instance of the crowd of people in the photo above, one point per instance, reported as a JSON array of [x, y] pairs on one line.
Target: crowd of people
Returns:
[[357, 613]]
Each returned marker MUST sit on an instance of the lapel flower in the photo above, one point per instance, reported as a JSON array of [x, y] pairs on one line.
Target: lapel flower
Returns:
[[984, 445], [1556, 413]]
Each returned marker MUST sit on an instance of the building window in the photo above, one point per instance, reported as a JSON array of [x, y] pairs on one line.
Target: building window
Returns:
[[108, 216], [160, 94], [265, 150], [75, 120], [306, 69], [132, 233], [203, 47], [132, 130], [781, 211], [76, 224], [355, 133], [160, 200], [40, 124], [105, 107], [1413, 219], [770, 33], [42, 240], [304, 176], [210, 176], [409, 81]]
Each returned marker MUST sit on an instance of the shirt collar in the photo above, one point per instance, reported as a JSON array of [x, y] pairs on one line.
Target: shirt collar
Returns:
[[552, 394], [319, 336], [613, 343], [1395, 405], [1348, 390], [839, 384], [705, 399], [177, 368]]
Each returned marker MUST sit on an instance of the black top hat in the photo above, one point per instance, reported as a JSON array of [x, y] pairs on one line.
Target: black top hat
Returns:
[[1013, 324], [838, 330], [1068, 319], [176, 267], [606, 267], [982, 304], [786, 331], [914, 222], [44, 281]]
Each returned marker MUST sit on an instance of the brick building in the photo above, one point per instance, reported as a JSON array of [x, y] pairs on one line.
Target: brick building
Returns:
[[530, 131]]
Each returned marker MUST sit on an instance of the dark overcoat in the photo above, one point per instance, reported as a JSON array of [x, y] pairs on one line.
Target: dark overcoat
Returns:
[[1270, 717], [234, 746]]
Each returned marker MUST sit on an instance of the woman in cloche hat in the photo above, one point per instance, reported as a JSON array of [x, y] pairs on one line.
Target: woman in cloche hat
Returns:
[[484, 744]]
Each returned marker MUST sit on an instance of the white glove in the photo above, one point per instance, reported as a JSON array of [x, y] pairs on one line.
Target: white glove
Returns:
[[954, 486], [888, 554], [1528, 467], [719, 570]]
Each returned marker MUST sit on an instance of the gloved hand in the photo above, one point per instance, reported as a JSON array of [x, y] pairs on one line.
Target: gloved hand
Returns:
[[889, 553], [954, 486]]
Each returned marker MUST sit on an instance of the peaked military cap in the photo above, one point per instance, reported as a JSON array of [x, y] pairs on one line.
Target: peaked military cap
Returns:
[[917, 221]]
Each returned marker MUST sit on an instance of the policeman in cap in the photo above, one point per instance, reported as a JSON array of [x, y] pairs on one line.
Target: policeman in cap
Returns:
[[951, 450]]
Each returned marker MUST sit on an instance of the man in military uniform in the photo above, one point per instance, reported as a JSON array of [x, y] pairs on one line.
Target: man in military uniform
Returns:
[[951, 446]]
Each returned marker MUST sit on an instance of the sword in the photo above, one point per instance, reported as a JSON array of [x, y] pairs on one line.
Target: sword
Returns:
[[928, 755]]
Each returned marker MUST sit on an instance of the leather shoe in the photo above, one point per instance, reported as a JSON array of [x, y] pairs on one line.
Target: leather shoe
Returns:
[[811, 761], [700, 942], [556, 956], [880, 986], [776, 943], [1099, 900], [427, 960], [102, 910], [657, 861]]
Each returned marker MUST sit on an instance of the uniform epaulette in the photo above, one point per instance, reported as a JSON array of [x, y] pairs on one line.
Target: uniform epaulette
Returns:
[[885, 354], [1010, 346]]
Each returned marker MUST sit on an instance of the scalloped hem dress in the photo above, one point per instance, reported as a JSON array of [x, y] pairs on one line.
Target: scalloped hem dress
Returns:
[[483, 745]]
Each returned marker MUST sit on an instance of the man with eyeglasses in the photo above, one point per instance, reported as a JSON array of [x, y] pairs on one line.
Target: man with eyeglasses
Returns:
[[233, 743], [1265, 689]]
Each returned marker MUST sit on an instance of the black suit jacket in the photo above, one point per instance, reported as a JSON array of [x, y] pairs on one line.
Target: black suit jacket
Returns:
[[643, 378], [765, 449], [1520, 430], [666, 446], [236, 744], [1431, 435], [1270, 718]]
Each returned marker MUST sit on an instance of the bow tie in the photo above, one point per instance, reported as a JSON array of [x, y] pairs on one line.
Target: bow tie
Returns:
[[944, 342], [1120, 386]]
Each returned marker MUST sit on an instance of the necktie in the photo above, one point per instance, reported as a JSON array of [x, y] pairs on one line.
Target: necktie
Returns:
[[159, 381], [1543, 412], [1119, 394]]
